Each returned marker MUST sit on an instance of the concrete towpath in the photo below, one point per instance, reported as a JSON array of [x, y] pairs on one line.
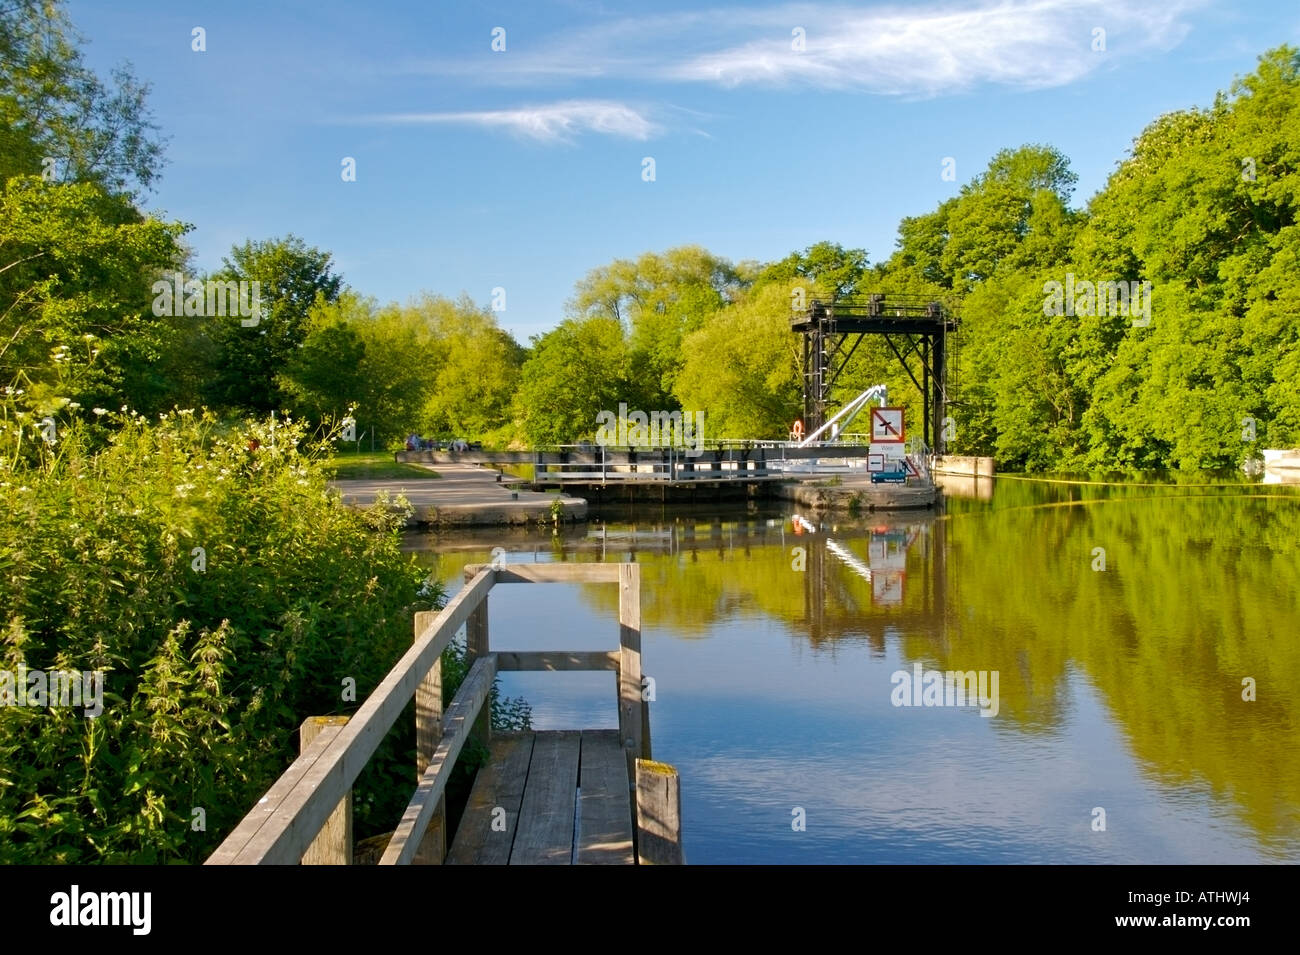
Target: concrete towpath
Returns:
[[465, 494]]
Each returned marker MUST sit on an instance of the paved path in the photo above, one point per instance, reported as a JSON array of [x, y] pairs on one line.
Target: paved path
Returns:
[[465, 494]]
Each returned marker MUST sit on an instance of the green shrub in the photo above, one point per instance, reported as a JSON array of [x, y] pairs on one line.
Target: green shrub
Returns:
[[212, 657]]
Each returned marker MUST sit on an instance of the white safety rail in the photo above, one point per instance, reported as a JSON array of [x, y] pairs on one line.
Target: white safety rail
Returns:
[[919, 457], [721, 461], [672, 465]]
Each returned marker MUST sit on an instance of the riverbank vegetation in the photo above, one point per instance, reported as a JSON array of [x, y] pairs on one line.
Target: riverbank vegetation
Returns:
[[224, 594]]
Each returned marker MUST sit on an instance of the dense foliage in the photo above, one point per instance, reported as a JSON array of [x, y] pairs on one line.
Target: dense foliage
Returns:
[[226, 596], [197, 561]]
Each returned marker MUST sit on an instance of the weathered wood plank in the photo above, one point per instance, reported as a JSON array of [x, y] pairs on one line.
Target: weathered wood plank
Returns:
[[629, 671], [485, 836], [470, 699], [428, 732], [478, 643], [659, 814], [333, 844], [605, 815], [544, 835], [557, 660], [280, 828], [233, 844], [584, 573]]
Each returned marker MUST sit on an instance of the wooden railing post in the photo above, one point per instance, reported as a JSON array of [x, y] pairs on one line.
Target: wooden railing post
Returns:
[[428, 733], [629, 665], [478, 643], [658, 814], [333, 844]]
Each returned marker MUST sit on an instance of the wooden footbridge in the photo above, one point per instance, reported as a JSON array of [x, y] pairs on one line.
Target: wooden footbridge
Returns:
[[587, 796]]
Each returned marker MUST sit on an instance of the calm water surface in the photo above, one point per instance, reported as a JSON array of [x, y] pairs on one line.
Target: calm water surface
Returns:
[[1119, 689]]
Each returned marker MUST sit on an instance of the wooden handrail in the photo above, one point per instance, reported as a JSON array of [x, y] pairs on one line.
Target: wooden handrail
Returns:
[[585, 573], [283, 825], [456, 725]]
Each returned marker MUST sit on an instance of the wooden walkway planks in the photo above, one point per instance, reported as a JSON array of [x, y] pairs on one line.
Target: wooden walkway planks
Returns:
[[545, 832], [535, 779], [605, 806], [484, 836]]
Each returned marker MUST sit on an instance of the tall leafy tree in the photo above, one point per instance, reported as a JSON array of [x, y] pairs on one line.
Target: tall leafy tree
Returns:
[[1205, 209], [837, 272], [742, 368], [476, 378], [659, 298], [75, 324], [573, 373], [58, 118], [292, 277], [326, 376]]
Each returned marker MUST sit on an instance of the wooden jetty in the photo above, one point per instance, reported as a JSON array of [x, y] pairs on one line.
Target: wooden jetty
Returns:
[[585, 797]]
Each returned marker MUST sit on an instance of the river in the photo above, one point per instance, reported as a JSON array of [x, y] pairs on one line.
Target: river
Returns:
[[1139, 644]]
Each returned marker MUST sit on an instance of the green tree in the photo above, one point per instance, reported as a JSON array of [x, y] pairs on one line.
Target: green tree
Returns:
[[327, 375], [76, 266], [476, 379], [659, 298], [742, 368], [1014, 214], [835, 271], [248, 359], [573, 372], [52, 107], [1205, 209]]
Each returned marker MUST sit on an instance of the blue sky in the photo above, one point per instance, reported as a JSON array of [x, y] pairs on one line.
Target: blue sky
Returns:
[[523, 168]]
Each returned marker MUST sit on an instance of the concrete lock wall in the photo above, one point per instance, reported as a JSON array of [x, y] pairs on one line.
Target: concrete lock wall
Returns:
[[963, 464]]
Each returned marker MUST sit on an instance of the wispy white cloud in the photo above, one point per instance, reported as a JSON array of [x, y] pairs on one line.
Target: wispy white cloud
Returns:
[[922, 50], [941, 49], [548, 123]]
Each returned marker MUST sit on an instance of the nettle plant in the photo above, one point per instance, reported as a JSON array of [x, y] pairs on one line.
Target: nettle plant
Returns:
[[225, 593]]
